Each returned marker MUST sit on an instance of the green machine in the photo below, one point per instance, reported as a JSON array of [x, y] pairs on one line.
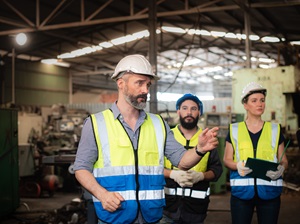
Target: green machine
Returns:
[[220, 185], [221, 120], [9, 163]]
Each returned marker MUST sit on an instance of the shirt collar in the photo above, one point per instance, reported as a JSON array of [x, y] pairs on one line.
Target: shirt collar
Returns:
[[116, 112]]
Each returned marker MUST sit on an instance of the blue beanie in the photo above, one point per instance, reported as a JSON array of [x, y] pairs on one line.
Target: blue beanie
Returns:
[[192, 97]]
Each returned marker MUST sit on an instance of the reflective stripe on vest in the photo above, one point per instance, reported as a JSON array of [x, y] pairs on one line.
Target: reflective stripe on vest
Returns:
[[116, 169], [197, 196], [250, 181], [187, 192], [243, 187]]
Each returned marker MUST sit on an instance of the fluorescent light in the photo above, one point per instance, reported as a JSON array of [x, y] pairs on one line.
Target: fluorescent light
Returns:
[[141, 34], [145, 33], [266, 60], [217, 33], [270, 39], [55, 62], [230, 35], [254, 37], [241, 36], [263, 66], [122, 40], [65, 55], [199, 32], [106, 44], [173, 29], [295, 42]]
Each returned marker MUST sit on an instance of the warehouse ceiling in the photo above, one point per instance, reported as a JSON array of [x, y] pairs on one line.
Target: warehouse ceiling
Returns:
[[199, 42]]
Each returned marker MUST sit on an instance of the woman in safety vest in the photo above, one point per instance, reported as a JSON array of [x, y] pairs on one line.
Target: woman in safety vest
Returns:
[[255, 138]]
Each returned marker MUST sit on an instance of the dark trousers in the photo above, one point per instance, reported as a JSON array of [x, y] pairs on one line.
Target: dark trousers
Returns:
[[242, 210]]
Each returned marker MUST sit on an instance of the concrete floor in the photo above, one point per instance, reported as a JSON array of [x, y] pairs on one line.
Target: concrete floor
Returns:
[[219, 209], [39, 210]]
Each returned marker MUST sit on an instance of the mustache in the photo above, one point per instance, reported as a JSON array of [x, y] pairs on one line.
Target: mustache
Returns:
[[188, 117], [144, 96]]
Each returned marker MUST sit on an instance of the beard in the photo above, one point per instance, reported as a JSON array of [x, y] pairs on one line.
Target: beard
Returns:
[[189, 125], [133, 100]]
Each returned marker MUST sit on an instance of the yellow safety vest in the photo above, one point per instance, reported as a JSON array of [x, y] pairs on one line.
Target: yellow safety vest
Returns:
[[267, 146], [137, 174], [202, 165], [200, 191]]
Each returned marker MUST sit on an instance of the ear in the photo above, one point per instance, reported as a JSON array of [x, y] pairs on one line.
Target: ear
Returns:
[[120, 83]]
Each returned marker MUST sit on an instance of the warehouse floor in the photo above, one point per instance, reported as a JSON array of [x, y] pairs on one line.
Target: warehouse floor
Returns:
[[62, 208]]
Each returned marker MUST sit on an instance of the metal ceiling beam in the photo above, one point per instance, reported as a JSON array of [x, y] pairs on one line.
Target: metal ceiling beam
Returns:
[[198, 9]]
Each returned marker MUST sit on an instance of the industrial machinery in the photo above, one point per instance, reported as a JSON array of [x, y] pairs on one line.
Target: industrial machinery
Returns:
[[9, 195], [35, 178], [59, 143], [221, 120], [47, 157]]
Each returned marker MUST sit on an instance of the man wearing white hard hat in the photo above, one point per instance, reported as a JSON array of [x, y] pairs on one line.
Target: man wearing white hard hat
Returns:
[[255, 138], [120, 157]]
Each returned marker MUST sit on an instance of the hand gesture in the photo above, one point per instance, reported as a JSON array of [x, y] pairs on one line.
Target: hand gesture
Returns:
[[208, 140]]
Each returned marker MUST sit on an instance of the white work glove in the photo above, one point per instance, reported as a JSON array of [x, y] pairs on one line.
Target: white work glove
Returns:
[[274, 175], [181, 177], [195, 176], [242, 169]]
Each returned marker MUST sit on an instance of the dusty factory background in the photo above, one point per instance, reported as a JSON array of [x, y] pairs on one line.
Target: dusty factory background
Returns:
[[60, 74]]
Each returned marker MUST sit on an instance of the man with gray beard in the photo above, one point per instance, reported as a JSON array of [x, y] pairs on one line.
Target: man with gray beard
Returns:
[[120, 157], [187, 192]]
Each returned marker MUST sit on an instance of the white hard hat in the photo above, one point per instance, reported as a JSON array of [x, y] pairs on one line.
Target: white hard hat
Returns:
[[251, 88], [136, 64]]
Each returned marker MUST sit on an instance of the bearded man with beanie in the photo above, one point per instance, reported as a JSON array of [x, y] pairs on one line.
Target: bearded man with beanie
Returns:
[[187, 192]]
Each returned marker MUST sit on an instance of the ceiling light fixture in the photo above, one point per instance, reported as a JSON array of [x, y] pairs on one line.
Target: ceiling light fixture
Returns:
[[21, 39], [55, 62], [270, 39]]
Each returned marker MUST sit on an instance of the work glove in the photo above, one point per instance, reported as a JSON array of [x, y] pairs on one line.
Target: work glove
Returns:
[[195, 176], [274, 175], [242, 169], [181, 177]]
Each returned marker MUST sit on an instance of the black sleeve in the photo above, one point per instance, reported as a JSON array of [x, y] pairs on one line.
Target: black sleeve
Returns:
[[281, 136], [228, 139], [214, 164]]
